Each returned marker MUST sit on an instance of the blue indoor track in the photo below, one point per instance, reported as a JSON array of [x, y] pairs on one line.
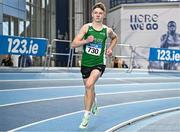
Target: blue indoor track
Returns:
[[52, 100]]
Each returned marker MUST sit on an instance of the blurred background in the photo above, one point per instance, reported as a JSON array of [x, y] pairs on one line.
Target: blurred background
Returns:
[[139, 24]]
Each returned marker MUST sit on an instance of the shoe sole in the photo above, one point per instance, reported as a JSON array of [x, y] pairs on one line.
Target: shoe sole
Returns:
[[83, 127]]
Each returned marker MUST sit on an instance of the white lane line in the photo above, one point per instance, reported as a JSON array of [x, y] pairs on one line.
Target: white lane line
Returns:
[[82, 86], [104, 78], [40, 100], [75, 73], [40, 88], [36, 80], [100, 94], [107, 106], [35, 123], [116, 127]]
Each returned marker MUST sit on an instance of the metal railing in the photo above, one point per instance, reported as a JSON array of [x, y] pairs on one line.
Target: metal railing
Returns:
[[71, 53], [136, 58], [51, 53], [130, 57], [136, 55]]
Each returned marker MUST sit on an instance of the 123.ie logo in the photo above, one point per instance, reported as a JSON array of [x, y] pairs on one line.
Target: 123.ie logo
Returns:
[[144, 22]]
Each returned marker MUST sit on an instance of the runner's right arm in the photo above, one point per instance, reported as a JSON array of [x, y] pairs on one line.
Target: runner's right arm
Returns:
[[78, 40]]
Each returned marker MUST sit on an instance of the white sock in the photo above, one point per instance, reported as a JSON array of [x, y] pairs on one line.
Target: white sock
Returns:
[[95, 100], [87, 113]]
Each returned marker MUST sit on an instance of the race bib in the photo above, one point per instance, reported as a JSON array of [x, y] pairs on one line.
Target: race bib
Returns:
[[94, 49]]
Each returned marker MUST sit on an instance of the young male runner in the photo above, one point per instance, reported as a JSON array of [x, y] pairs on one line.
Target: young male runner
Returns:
[[92, 37]]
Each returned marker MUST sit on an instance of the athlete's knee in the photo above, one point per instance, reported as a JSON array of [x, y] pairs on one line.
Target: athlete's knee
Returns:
[[89, 85]]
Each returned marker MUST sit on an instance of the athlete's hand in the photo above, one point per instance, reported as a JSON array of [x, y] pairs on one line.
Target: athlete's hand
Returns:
[[90, 39], [109, 52]]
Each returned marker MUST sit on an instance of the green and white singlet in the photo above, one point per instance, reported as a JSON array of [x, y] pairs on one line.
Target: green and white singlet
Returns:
[[94, 52]]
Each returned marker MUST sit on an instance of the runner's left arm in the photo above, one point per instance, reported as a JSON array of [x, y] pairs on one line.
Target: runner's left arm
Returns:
[[113, 41]]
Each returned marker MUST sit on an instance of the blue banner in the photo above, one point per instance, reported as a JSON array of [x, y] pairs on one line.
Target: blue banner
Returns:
[[164, 54], [22, 45]]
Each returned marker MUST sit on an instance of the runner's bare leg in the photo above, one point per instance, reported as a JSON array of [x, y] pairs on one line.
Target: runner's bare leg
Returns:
[[90, 89]]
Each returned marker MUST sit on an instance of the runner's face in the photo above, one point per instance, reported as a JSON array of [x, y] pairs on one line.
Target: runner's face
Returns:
[[98, 15]]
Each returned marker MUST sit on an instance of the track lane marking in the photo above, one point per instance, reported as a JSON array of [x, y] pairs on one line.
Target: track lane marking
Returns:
[[69, 114], [64, 87], [104, 78], [75, 96]]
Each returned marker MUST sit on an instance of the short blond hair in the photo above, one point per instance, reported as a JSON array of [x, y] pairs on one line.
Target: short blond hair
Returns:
[[99, 5]]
